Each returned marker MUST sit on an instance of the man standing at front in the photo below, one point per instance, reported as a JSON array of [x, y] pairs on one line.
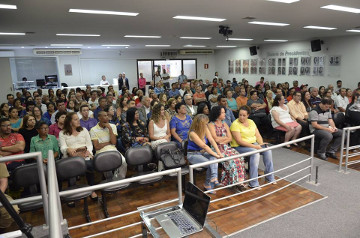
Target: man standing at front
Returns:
[[103, 136], [324, 129], [182, 77]]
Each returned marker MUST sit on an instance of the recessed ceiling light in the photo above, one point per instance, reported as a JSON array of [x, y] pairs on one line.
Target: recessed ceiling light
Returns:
[[353, 30], [103, 12], [342, 8], [240, 39], [12, 34], [89, 47], [320, 28], [126, 47], [65, 45], [115, 45], [195, 38], [268, 23], [195, 46], [7, 6], [283, 1], [68, 47], [275, 40], [157, 45], [108, 47], [199, 18], [226, 46], [137, 36], [77, 35], [22, 47], [46, 47]]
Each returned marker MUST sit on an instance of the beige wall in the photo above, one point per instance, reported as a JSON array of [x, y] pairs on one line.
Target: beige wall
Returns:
[[5, 79]]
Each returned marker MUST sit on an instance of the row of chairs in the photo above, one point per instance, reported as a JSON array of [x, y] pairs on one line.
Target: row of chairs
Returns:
[[68, 169]]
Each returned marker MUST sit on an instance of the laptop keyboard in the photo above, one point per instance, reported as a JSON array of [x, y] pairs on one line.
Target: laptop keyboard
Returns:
[[181, 222]]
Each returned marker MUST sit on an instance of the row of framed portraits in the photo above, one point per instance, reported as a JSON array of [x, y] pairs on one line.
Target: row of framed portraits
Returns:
[[300, 66]]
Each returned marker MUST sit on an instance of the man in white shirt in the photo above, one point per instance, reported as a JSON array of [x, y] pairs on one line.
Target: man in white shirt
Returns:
[[104, 81], [190, 108], [333, 94], [341, 101], [38, 102], [182, 89], [103, 136], [144, 109]]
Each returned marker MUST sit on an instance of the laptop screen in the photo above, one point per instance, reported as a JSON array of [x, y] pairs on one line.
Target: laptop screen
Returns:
[[196, 203]]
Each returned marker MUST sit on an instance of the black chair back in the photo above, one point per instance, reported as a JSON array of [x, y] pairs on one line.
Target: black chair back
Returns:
[[27, 176], [139, 155], [71, 167], [172, 145], [184, 145], [107, 161]]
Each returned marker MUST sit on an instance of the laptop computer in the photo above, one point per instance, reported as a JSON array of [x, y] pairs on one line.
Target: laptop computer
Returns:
[[188, 219]]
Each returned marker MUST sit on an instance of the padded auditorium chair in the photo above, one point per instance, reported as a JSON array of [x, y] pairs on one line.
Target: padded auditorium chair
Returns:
[[67, 169], [171, 146], [140, 156], [27, 176], [105, 163]]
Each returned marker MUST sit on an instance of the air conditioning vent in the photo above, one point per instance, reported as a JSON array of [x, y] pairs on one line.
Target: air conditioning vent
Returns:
[[168, 54], [57, 51], [196, 52]]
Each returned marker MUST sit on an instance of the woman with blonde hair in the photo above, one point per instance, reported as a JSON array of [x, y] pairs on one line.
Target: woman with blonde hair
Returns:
[[159, 129], [268, 100], [198, 151], [170, 112], [163, 99]]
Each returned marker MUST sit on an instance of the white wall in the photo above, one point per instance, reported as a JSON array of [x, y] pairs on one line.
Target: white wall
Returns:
[[5, 79], [346, 47], [93, 63]]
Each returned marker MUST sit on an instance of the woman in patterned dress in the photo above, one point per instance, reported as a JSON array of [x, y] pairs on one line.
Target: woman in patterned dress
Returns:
[[234, 170]]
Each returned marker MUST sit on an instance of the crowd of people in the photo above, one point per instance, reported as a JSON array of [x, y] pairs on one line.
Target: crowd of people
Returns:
[[218, 119]]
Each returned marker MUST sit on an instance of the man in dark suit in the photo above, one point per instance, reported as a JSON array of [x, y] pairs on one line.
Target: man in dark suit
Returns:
[[123, 81]]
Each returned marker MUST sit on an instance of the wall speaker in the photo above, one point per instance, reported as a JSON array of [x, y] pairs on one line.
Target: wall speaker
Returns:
[[253, 50], [315, 45]]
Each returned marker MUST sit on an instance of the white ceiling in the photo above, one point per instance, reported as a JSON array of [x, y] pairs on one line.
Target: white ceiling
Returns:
[[46, 18]]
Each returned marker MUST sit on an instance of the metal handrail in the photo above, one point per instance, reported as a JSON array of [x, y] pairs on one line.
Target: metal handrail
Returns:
[[40, 166], [193, 166], [346, 134]]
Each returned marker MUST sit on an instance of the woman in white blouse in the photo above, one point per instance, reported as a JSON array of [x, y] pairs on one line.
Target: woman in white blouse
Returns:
[[75, 141], [159, 129], [281, 120]]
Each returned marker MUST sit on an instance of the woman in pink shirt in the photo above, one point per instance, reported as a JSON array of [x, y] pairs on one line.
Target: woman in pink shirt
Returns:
[[142, 82], [55, 128]]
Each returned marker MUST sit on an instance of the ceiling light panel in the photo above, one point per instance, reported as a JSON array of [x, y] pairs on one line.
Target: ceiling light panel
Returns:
[[77, 35], [66, 45], [115, 45], [199, 18], [102, 12], [268, 23], [320, 28], [12, 34], [195, 46], [342, 8], [195, 38], [358, 31], [283, 1], [157, 45], [276, 40], [226, 46], [137, 36], [240, 39], [7, 6]]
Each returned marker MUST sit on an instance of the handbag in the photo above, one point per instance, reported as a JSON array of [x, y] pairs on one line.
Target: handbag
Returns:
[[172, 158]]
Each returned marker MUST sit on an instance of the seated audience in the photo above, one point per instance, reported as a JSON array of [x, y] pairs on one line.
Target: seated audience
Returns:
[[299, 113], [241, 100], [4, 110], [198, 151], [305, 99], [20, 109], [10, 144], [199, 95], [86, 121], [75, 142], [281, 120], [103, 136], [341, 100], [190, 108], [246, 138], [174, 91], [234, 170], [159, 129], [163, 99], [170, 112], [268, 100], [101, 107], [314, 99], [258, 112], [134, 131], [180, 124], [349, 94], [231, 102], [213, 97], [324, 129], [55, 128], [37, 113], [50, 110], [15, 120], [144, 110], [203, 109], [28, 131], [60, 105], [43, 142]]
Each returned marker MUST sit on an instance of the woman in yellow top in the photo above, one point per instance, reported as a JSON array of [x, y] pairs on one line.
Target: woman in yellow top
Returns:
[[246, 138]]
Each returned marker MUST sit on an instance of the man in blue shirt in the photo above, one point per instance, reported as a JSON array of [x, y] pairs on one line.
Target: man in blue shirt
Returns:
[[101, 107], [182, 77], [86, 121], [158, 89], [229, 116], [174, 91]]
